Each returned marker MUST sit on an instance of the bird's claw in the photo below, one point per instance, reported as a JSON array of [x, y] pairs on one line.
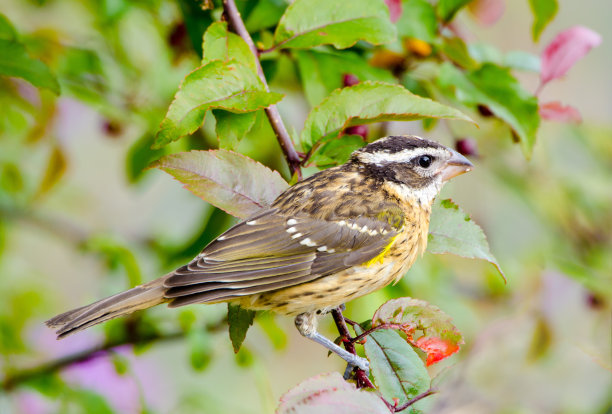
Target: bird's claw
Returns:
[[357, 362]]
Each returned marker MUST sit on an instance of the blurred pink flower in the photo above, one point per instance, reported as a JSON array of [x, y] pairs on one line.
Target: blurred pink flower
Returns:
[[487, 12]]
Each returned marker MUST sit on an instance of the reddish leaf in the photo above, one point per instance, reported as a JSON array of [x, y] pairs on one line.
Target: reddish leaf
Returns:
[[556, 111], [437, 349], [487, 12], [395, 9], [438, 336], [230, 181], [565, 50]]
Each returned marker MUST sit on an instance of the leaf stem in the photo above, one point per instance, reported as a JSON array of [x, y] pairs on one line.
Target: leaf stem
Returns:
[[362, 379], [414, 400], [237, 25]]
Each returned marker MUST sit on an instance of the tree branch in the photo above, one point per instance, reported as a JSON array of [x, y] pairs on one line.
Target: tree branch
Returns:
[[96, 351], [237, 25], [362, 379]]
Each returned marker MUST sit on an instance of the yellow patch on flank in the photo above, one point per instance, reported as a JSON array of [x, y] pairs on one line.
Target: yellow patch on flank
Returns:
[[381, 256]]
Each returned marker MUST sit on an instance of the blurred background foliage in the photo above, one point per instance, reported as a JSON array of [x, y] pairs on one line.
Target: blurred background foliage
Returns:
[[81, 218]]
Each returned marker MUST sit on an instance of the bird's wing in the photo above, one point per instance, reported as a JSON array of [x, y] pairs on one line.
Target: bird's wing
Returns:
[[271, 251]]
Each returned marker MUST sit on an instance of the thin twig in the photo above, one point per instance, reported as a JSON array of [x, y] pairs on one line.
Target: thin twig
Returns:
[[374, 329], [96, 351], [362, 379], [237, 25], [414, 400]]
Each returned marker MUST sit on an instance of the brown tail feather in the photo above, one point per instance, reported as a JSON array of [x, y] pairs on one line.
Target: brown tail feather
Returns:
[[140, 297]]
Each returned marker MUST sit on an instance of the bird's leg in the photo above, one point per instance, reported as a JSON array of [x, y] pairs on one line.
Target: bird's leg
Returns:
[[306, 324]]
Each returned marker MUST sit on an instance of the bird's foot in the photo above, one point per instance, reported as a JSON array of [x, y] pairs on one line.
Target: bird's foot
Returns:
[[356, 362]]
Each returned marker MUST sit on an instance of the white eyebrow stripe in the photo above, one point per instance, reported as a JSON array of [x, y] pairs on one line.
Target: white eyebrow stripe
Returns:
[[400, 156]]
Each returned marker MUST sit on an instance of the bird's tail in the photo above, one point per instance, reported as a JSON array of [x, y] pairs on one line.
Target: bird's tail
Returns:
[[140, 297]]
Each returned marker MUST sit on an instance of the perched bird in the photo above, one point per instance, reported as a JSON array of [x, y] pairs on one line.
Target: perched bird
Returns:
[[333, 237]]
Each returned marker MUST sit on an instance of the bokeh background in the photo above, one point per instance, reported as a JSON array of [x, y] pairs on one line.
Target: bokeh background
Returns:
[[89, 223]]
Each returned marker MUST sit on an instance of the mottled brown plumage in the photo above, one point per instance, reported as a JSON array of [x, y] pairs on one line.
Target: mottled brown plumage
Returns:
[[335, 236]]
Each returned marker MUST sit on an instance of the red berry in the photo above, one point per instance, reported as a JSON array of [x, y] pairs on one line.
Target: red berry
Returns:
[[466, 146], [361, 130], [348, 79]]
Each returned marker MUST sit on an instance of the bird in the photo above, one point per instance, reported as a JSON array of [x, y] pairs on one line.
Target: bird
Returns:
[[335, 236]]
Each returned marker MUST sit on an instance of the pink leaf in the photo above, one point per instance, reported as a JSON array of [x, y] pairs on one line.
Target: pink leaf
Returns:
[[395, 9], [487, 12], [565, 50], [556, 111]]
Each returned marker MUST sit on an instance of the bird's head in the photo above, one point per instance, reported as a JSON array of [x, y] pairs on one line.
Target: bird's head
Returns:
[[414, 167]]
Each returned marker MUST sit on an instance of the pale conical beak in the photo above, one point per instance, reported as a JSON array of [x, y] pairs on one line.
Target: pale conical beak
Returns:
[[455, 166]]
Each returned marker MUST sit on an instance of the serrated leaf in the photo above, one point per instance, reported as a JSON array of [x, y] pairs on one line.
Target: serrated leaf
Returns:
[[15, 61], [216, 85], [398, 371], [322, 72], [447, 9], [418, 20], [239, 321], [220, 44], [543, 13], [453, 231], [310, 23], [330, 393], [439, 337], [225, 179], [496, 88], [370, 102], [232, 128]]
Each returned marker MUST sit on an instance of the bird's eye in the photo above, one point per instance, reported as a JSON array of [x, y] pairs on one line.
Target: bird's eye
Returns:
[[425, 161]]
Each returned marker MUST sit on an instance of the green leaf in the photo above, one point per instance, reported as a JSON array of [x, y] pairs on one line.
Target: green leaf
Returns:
[[453, 231], [56, 167], [448, 8], [310, 23], [15, 61], [330, 393], [140, 156], [239, 321], [220, 44], [418, 20], [117, 255], [200, 349], [336, 151], [273, 331], [321, 72], [366, 103], [496, 88], [456, 50], [543, 13], [518, 59], [439, 337], [7, 30], [266, 13], [223, 85], [231, 127], [397, 369], [230, 181]]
